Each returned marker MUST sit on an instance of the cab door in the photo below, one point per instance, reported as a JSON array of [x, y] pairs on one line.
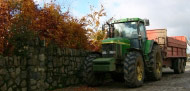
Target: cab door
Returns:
[[142, 33]]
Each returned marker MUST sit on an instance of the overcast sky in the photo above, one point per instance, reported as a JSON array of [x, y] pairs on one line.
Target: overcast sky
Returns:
[[170, 14], [173, 15]]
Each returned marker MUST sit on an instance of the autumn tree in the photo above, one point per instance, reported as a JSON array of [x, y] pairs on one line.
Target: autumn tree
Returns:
[[60, 27], [4, 23], [22, 21], [7, 10], [22, 26], [93, 21]]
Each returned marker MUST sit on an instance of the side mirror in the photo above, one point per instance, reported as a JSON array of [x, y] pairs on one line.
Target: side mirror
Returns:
[[146, 22], [140, 37]]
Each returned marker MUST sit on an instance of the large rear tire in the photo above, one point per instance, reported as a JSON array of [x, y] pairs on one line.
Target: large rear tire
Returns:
[[134, 70], [155, 71], [90, 77]]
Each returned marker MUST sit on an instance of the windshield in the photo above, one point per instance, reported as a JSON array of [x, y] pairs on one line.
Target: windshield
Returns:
[[128, 30]]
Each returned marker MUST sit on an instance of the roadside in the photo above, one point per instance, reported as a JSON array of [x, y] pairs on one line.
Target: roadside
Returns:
[[169, 82]]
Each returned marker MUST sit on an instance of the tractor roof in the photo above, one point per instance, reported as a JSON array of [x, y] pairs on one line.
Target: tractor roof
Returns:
[[127, 20]]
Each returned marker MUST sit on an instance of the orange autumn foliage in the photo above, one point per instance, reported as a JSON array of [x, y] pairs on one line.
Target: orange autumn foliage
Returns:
[[19, 18], [5, 18], [61, 27], [95, 34]]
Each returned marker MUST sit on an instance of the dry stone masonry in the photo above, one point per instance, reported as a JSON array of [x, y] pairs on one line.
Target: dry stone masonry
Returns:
[[43, 69]]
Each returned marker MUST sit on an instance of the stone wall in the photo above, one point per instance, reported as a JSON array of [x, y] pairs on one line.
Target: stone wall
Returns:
[[43, 69], [13, 74]]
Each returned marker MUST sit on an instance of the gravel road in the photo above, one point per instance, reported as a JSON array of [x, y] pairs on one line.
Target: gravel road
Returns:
[[169, 82]]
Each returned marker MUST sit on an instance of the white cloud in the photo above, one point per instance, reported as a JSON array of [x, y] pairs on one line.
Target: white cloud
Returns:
[[170, 14], [38, 1], [41, 2]]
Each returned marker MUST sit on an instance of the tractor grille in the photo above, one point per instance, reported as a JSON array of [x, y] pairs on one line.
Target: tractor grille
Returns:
[[106, 49]]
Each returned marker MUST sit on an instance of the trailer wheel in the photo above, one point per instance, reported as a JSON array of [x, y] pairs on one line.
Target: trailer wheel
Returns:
[[155, 71], [134, 70], [90, 77], [177, 66], [182, 66]]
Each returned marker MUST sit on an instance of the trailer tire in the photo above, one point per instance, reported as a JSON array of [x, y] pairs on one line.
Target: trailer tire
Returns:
[[155, 71], [90, 77], [182, 66], [177, 66], [133, 70]]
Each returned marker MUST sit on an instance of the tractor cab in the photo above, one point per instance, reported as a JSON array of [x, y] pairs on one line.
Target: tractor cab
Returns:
[[124, 34]]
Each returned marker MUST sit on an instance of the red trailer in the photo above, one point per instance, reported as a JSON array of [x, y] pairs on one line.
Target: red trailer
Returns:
[[173, 48]]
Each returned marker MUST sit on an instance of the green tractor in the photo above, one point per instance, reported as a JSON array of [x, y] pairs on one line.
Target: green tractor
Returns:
[[126, 53]]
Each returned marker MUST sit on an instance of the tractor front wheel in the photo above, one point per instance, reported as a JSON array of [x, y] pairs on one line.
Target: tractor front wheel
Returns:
[[91, 78], [134, 70]]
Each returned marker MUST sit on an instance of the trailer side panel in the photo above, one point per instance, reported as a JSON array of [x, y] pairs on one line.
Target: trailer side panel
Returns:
[[172, 47]]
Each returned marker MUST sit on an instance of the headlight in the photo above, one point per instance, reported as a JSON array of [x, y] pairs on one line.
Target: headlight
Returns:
[[112, 52], [104, 52]]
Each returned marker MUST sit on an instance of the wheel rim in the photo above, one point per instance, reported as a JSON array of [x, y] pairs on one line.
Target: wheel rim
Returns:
[[158, 64], [139, 70]]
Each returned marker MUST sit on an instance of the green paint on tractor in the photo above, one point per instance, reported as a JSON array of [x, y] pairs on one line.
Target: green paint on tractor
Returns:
[[148, 46], [120, 41], [119, 44], [127, 20], [126, 53], [115, 48], [104, 64], [108, 64]]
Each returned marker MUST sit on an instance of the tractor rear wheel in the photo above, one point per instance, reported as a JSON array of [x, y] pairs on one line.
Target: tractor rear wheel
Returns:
[[177, 66], [155, 71], [91, 78], [134, 70]]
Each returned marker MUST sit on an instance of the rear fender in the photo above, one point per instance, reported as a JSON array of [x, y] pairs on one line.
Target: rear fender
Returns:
[[149, 46], [147, 50]]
